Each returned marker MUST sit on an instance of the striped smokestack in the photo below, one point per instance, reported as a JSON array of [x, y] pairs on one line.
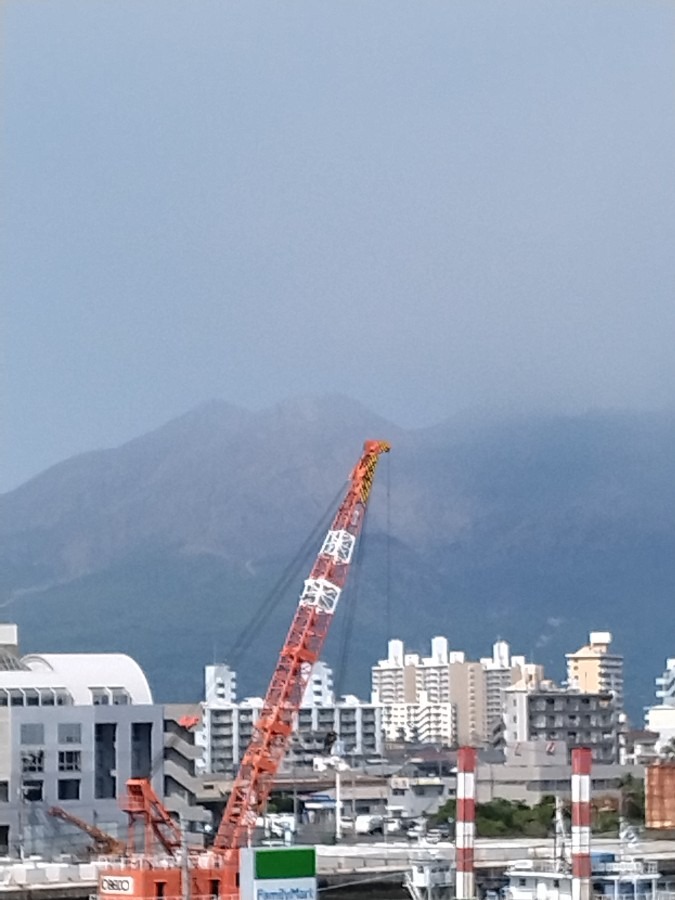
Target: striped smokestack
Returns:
[[465, 828], [581, 824]]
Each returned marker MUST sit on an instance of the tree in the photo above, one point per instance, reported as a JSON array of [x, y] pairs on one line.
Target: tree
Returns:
[[632, 806]]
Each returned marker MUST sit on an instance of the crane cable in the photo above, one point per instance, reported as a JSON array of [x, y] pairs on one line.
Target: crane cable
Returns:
[[345, 643], [387, 546], [272, 599]]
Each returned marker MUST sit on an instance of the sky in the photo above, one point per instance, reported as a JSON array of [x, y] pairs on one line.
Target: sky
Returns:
[[428, 206]]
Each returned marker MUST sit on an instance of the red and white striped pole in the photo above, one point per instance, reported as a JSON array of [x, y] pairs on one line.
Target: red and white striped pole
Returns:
[[465, 825], [581, 824]]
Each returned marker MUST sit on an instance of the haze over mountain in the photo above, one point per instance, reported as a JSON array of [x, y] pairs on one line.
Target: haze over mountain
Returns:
[[535, 529]]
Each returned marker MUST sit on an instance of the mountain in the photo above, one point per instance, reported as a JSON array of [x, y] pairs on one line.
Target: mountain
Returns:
[[537, 529]]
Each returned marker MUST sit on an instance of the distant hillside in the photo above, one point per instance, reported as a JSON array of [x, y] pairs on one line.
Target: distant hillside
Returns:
[[536, 530]]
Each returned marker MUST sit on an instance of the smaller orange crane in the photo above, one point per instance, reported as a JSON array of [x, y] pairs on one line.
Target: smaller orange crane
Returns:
[[142, 805], [104, 844]]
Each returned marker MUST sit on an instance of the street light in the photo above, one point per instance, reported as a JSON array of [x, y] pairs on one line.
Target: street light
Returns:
[[337, 763]]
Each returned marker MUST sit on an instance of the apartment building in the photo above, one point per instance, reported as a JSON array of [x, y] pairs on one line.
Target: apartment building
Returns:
[[415, 693], [595, 669], [555, 716], [220, 684], [227, 726], [502, 671], [319, 690], [228, 729], [469, 697], [444, 697], [660, 718]]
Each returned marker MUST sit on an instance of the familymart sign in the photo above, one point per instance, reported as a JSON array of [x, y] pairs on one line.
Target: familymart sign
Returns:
[[284, 873]]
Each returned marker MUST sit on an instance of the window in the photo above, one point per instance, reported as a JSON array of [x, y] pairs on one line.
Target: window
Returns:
[[105, 761], [4, 793], [70, 761], [32, 734], [141, 749], [69, 788], [32, 791], [70, 733], [32, 760]]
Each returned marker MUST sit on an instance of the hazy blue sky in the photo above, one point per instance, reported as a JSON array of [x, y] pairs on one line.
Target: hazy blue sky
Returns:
[[430, 206]]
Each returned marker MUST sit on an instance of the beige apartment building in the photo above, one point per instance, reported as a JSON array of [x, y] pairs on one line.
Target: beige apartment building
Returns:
[[594, 669]]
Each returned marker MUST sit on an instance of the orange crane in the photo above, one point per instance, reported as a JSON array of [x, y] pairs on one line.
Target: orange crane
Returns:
[[301, 650], [143, 805], [104, 843], [216, 872]]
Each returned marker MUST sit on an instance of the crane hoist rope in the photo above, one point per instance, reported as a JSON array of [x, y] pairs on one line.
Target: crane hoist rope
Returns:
[[270, 602]]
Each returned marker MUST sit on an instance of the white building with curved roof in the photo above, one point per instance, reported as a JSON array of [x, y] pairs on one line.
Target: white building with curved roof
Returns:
[[73, 728], [96, 679]]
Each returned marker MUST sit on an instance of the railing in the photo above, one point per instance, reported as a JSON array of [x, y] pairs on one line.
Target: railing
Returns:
[[619, 867], [198, 860], [641, 895], [627, 867], [539, 865]]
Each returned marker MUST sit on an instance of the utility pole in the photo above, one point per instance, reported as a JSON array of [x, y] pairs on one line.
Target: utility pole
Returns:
[[338, 805], [22, 800], [184, 859]]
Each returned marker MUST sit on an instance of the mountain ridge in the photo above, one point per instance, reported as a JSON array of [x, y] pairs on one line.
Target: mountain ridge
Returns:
[[532, 519]]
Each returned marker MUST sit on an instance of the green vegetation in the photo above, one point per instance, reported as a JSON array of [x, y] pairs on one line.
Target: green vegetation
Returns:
[[506, 818]]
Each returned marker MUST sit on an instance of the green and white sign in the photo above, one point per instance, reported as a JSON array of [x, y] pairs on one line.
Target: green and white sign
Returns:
[[284, 873]]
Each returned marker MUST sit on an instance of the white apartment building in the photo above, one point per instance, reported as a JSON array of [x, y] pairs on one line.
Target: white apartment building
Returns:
[[502, 671], [227, 726], [319, 690], [665, 684], [445, 698], [228, 730], [660, 718], [220, 684], [414, 693]]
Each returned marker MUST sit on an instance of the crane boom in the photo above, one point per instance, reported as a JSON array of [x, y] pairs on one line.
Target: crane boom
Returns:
[[103, 842], [301, 650]]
